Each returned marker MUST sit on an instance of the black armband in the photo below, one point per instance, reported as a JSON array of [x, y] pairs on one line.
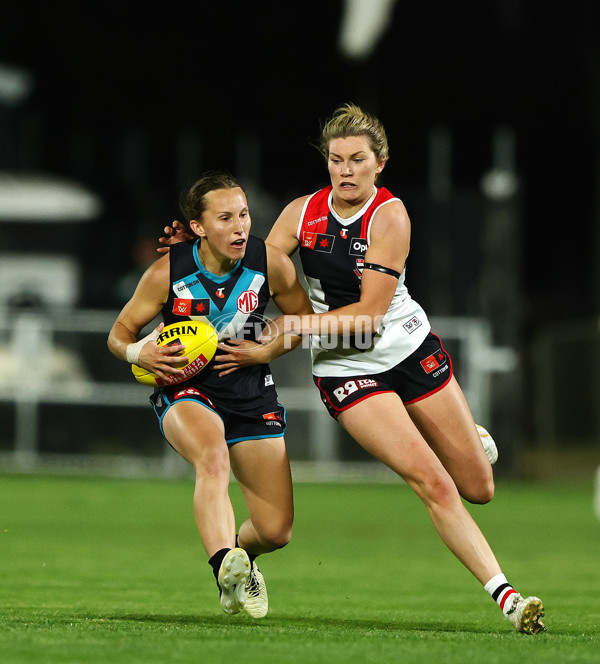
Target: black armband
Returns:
[[380, 268]]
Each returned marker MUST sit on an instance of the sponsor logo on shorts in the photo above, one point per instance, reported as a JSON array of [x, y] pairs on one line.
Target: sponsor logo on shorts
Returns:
[[187, 392], [413, 324], [272, 419], [435, 364], [351, 386], [269, 380]]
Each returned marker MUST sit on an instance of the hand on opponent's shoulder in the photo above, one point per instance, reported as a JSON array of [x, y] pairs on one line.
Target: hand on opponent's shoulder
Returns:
[[178, 232]]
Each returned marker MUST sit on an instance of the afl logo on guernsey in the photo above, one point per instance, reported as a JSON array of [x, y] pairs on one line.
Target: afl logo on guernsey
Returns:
[[247, 302]]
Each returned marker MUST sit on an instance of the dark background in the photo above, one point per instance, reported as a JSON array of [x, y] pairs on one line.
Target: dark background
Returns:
[[118, 87], [135, 101]]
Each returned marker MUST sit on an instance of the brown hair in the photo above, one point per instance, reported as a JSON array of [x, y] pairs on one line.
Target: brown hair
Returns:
[[350, 120], [192, 202]]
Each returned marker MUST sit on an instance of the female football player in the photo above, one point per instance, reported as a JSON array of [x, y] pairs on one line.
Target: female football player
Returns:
[[388, 380], [397, 398], [218, 421]]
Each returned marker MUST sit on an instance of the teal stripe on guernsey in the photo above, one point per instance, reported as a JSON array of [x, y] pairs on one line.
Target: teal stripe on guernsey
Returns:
[[209, 275], [245, 279]]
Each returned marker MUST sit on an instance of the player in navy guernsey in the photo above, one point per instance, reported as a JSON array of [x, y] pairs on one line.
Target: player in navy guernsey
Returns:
[[233, 303], [396, 394], [227, 417]]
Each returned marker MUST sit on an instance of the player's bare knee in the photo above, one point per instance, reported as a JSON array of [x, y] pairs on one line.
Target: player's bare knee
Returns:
[[213, 464], [277, 536], [440, 490], [479, 493]]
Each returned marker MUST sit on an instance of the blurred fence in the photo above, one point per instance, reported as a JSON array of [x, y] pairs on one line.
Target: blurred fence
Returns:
[[68, 405]]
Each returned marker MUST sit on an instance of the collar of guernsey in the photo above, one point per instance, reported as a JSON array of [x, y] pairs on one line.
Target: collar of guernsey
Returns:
[[332, 252], [233, 303]]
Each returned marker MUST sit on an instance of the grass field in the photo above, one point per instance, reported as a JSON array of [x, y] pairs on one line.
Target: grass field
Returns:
[[96, 570]]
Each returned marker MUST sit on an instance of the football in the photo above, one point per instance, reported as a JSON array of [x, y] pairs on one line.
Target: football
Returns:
[[200, 341]]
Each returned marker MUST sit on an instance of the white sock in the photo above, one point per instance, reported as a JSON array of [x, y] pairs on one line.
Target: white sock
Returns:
[[500, 590]]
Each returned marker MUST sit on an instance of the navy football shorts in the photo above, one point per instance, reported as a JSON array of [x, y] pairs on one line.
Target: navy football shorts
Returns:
[[266, 420], [421, 374]]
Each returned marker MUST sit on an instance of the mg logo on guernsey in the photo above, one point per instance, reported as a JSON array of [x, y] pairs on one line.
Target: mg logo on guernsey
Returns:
[[247, 302]]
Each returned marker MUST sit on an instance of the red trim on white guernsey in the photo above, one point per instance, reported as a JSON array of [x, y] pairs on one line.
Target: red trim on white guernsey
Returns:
[[314, 217], [332, 272], [383, 196]]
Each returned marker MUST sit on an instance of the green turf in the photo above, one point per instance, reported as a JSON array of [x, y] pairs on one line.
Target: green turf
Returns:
[[95, 570]]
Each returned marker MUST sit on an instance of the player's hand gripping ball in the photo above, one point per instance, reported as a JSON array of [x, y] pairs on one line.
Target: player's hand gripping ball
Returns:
[[200, 341]]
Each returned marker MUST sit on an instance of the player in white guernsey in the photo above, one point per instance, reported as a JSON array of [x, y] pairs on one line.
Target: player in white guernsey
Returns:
[[381, 372], [395, 394]]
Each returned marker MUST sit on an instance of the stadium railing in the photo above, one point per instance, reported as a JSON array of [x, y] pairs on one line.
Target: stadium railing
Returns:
[[37, 371]]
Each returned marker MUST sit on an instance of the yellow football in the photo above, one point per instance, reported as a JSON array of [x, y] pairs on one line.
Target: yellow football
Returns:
[[200, 341]]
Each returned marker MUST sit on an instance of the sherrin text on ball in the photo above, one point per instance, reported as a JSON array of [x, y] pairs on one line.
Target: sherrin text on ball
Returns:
[[200, 341]]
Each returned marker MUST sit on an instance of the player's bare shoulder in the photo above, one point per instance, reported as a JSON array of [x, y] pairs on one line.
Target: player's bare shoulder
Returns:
[[155, 280], [391, 219], [293, 209], [283, 233]]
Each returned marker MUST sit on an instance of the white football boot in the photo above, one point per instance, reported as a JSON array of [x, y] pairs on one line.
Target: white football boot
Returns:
[[257, 600], [491, 451], [525, 614], [233, 577]]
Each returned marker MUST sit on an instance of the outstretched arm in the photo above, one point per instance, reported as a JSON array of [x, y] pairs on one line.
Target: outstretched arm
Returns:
[[390, 240], [290, 298]]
